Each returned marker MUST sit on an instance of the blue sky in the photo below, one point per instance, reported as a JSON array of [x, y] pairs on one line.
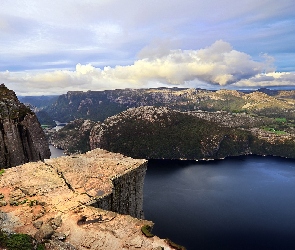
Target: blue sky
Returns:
[[51, 47]]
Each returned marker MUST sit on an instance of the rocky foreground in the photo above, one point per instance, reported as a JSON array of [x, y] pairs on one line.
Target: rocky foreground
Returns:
[[61, 202]]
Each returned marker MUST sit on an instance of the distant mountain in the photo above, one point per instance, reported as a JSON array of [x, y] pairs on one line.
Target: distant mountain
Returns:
[[38, 101], [161, 133], [37, 104], [73, 137], [98, 105], [270, 92]]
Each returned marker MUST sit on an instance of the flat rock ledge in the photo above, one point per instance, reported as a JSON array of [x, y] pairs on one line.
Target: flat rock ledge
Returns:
[[59, 202]]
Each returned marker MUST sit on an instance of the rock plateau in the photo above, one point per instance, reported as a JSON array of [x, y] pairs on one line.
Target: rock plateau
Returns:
[[78, 202]]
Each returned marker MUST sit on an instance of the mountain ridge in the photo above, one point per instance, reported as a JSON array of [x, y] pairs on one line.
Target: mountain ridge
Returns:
[[98, 105]]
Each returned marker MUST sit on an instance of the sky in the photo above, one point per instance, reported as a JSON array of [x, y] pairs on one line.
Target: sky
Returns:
[[52, 46]]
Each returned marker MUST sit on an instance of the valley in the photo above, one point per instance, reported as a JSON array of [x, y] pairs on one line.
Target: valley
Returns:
[[259, 122]]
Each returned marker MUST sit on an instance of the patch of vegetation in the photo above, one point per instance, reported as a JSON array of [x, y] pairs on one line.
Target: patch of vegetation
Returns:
[[276, 112], [274, 130], [32, 203], [19, 242], [174, 245], [269, 129], [40, 247], [146, 230], [2, 171], [283, 149], [279, 132], [281, 120]]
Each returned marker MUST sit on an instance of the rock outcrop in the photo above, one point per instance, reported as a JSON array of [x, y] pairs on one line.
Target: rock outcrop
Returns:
[[21, 136], [62, 202]]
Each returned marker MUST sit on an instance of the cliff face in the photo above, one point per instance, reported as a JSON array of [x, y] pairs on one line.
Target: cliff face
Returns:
[[111, 181], [58, 201], [127, 195], [21, 136]]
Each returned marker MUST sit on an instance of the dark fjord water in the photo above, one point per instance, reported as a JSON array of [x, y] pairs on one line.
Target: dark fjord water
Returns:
[[237, 203], [240, 203], [55, 152]]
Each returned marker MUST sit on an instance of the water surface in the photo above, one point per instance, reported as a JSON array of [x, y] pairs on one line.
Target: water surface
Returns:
[[55, 152], [237, 203]]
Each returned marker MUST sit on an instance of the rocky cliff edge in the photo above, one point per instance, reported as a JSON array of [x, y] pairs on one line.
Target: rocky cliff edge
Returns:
[[60, 202], [21, 136]]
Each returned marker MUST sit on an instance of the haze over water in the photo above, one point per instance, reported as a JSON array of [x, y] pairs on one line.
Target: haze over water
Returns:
[[237, 203]]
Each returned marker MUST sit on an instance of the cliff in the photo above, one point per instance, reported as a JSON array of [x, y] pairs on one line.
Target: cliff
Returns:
[[62, 202], [21, 136]]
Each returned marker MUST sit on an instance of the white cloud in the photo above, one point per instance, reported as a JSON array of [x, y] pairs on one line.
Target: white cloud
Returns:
[[218, 65], [271, 79], [34, 33]]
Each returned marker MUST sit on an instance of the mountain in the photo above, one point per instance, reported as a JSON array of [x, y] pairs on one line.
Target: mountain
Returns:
[[98, 105], [21, 136], [73, 137], [38, 101], [162, 133], [37, 104]]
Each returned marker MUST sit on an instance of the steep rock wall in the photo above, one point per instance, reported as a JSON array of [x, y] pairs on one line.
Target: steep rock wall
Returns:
[[127, 194], [111, 181], [21, 136]]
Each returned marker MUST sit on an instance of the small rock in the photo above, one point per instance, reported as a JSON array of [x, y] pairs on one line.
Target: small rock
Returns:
[[136, 242], [41, 203], [56, 244], [13, 203], [38, 224], [56, 222], [37, 216], [45, 232], [17, 194], [3, 203], [1, 196], [59, 236]]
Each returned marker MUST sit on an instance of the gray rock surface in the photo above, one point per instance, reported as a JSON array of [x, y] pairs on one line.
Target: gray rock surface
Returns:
[[21, 136]]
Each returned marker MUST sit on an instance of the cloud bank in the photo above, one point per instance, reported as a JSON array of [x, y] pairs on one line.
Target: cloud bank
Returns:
[[218, 65]]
